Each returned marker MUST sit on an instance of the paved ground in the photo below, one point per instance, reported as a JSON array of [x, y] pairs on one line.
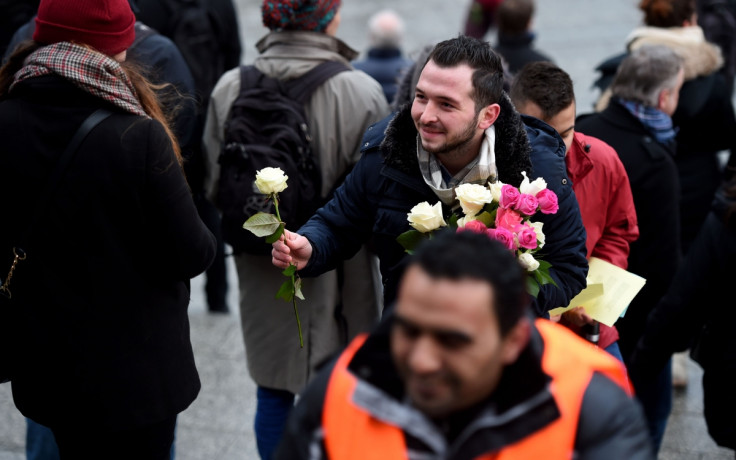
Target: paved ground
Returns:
[[577, 34]]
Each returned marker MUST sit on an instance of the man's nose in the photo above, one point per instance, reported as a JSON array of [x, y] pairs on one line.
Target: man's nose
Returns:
[[424, 357], [429, 115]]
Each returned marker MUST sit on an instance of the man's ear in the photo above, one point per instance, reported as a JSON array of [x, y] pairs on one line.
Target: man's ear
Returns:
[[515, 341], [662, 98], [488, 116]]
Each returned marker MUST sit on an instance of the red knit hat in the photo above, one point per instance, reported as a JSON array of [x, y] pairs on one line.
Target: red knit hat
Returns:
[[106, 25]]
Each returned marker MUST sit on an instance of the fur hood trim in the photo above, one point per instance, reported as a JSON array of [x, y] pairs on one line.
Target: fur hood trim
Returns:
[[700, 57], [512, 144]]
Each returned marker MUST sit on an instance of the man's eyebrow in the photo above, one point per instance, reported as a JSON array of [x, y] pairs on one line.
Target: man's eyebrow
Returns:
[[441, 333], [563, 133]]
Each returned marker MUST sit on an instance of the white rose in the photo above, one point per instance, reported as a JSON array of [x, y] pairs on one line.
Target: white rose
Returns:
[[464, 220], [532, 188], [496, 190], [540, 234], [528, 261], [271, 180], [473, 197], [425, 217]]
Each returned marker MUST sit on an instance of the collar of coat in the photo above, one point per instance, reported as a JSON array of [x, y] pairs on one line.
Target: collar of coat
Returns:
[[294, 42], [699, 57], [521, 404], [399, 144]]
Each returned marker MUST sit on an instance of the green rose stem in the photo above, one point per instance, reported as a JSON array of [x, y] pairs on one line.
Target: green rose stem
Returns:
[[293, 276]]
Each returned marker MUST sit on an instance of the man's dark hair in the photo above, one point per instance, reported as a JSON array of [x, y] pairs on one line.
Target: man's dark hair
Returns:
[[544, 84], [667, 13], [514, 16], [466, 254], [479, 56]]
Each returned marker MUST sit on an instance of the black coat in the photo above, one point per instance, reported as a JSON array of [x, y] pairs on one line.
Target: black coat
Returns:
[[99, 308], [699, 305], [655, 187]]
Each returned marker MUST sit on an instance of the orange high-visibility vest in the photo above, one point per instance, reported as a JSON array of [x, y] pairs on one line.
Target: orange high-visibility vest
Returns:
[[350, 432]]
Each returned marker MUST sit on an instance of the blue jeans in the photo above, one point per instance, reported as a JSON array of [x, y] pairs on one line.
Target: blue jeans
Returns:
[[614, 351], [272, 410], [41, 444]]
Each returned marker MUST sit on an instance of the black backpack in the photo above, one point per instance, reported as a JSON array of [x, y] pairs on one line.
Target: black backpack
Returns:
[[267, 128], [195, 31]]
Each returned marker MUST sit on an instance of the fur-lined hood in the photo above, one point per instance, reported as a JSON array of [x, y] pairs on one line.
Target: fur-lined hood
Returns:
[[700, 57], [512, 145]]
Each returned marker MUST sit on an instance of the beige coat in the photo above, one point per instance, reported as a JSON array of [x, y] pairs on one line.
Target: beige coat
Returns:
[[338, 113]]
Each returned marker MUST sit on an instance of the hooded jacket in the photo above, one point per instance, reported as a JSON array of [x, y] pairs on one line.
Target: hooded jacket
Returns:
[[525, 404], [372, 204]]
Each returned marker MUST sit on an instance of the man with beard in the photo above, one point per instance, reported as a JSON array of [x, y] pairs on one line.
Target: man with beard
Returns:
[[459, 370], [461, 128]]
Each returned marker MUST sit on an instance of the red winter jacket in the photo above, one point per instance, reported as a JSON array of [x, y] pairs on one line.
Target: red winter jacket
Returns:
[[603, 192]]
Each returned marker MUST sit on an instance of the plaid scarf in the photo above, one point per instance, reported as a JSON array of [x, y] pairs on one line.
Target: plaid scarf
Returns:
[[657, 122], [479, 171], [91, 71]]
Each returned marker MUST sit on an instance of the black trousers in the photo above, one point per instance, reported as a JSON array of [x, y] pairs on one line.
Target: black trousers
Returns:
[[148, 442]]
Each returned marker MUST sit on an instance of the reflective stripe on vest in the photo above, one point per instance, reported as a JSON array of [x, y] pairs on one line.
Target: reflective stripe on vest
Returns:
[[352, 433]]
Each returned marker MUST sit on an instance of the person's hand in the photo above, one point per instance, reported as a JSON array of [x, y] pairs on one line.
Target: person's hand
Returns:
[[291, 248], [577, 317]]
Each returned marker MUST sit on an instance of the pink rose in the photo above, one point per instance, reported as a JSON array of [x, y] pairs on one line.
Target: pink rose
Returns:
[[504, 236], [509, 196], [508, 219], [527, 237], [547, 201], [475, 226], [527, 204]]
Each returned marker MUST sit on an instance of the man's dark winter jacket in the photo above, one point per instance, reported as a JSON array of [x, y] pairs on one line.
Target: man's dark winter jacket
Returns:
[[611, 426], [656, 189], [373, 203], [699, 305]]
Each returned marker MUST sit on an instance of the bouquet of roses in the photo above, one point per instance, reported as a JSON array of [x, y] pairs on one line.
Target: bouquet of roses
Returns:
[[500, 211]]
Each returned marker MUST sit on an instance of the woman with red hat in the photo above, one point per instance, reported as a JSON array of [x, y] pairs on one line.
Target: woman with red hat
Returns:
[[103, 237]]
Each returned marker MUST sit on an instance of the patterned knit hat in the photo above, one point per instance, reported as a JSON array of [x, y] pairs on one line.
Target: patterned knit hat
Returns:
[[106, 25], [299, 14]]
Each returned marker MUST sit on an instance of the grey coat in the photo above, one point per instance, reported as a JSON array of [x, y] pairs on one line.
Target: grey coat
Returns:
[[338, 113]]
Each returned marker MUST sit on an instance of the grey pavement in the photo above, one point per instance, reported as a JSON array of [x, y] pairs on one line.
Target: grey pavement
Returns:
[[577, 34]]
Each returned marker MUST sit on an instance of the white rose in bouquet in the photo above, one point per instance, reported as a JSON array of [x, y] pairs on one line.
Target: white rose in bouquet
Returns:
[[425, 218], [473, 197], [528, 261], [540, 234], [495, 188], [271, 180], [532, 188]]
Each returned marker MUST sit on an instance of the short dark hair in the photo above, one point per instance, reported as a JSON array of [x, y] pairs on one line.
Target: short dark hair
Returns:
[[514, 16], [471, 255], [544, 84], [667, 13], [479, 56]]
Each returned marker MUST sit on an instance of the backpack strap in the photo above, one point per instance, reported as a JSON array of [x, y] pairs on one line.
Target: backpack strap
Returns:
[[302, 88]]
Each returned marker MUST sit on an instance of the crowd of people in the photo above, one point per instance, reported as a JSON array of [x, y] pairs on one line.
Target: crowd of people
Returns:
[[116, 114]]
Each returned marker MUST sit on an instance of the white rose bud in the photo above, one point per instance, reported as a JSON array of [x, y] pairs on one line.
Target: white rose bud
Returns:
[[496, 190], [426, 218], [532, 188], [540, 234], [461, 222], [473, 197], [271, 180], [528, 261]]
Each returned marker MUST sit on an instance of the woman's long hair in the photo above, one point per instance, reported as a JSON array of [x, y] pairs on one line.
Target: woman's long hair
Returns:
[[145, 90]]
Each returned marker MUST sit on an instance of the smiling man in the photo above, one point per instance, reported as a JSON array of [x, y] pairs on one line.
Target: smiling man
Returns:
[[459, 370], [460, 128]]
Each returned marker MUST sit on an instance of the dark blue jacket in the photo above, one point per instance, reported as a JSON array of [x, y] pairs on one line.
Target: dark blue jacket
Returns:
[[385, 65], [372, 205]]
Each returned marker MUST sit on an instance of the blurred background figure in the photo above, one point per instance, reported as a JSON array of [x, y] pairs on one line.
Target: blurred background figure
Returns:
[[13, 14], [717, 18], [638, 125], [384, 60], [481, 17], [207, 35], [515, 35]]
